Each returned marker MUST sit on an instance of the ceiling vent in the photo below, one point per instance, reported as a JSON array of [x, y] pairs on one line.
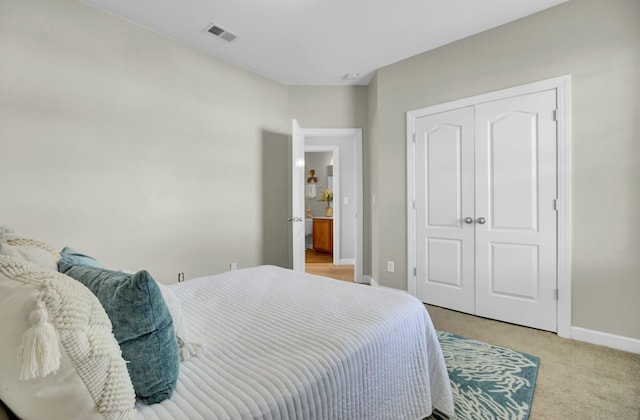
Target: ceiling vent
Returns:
[[221, 33]]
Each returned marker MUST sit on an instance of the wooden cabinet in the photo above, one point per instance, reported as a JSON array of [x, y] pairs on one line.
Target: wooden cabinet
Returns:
[[323, 235]]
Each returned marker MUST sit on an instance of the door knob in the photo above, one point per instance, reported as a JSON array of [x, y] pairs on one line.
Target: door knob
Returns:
[[295, 219], [482, 220], [468, 220]]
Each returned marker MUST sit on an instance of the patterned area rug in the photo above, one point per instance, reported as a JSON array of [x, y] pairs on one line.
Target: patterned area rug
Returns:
[[488, 382]]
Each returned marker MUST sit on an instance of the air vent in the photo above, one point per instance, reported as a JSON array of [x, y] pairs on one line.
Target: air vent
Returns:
[[221, 33]]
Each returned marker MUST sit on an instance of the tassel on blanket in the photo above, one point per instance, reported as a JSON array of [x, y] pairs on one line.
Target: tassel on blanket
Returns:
[[39, 352], [187, 350]]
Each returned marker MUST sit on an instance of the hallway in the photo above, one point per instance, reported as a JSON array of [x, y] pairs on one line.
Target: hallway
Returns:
[[322, 265]]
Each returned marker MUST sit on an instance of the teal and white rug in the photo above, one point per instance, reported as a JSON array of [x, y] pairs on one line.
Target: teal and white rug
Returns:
[[488, 382]]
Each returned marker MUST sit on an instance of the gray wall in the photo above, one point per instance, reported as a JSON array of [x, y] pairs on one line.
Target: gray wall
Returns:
[[329, 106], [371, 161], [129, 146], [337, 107], [132, 147], [598, 43]]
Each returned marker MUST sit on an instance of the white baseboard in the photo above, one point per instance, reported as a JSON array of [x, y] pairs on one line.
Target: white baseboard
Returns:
[[347, 261], [618, 342], [367, 279], [372, 282]]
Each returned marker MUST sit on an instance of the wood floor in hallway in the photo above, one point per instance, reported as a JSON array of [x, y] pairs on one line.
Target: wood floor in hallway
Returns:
[[338, 272], [322, 265], [313, 257]]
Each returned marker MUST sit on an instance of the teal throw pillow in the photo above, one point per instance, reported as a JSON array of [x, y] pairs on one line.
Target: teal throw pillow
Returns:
[[141, 323], [74, 257]]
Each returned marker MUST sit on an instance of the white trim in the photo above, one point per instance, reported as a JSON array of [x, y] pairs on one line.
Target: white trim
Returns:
[[347, 261], [374, 283], [392, 288], [356, 134], [370, 280], [367, 279], [540, 86], [563, 90], [411, 211], [618, 342], [297, 197], [562, 85]]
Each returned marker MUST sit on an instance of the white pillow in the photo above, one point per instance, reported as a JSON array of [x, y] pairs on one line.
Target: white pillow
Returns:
[[31, 252], [37, 252], [91, 381], [6, 231], [187, 346]]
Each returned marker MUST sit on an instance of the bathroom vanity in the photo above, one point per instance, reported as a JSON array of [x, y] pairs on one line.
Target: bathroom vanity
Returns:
[[323, 234]]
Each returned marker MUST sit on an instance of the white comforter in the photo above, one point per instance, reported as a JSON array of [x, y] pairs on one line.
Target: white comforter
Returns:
[[284, 345]]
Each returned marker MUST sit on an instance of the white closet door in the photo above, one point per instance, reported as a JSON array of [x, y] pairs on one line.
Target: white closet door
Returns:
[[515, 195], [444, 198]]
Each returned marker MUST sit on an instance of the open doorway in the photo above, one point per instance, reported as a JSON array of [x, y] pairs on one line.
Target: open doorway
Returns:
[[322, 216], [346, 148]]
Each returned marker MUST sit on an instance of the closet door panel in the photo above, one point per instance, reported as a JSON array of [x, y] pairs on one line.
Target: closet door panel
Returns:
[[514, 270], [512, 172], [444, 198], [515, 192]]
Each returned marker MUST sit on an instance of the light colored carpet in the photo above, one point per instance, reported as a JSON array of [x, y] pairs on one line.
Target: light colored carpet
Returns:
[[576, 380]]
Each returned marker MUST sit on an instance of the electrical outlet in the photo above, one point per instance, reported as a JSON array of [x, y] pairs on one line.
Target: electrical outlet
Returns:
[[391, 266], [233, 266], [180, 277]]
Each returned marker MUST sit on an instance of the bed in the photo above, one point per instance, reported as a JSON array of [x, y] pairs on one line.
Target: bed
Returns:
[[273, 344], [285, 345]]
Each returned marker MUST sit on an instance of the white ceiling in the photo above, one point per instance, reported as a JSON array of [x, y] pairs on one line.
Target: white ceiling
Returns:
[[317, 42]]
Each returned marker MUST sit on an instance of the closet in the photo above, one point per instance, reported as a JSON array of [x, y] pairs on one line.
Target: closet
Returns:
[[486, 209]]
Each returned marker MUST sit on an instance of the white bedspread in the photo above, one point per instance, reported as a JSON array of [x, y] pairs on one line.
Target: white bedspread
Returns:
[[285, 345]]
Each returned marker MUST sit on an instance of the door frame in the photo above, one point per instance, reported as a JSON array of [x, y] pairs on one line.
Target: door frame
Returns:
[[356, 135], [336, 192], [562, 85]]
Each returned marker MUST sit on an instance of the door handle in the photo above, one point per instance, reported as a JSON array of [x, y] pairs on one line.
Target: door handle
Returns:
[[481, 220], [468, 220], [295, 219]]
